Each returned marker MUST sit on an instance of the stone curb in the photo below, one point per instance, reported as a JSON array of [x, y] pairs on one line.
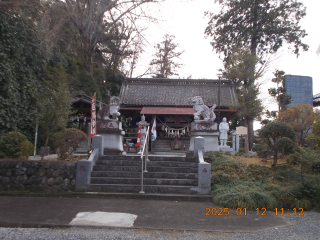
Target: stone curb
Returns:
[[165, 197]]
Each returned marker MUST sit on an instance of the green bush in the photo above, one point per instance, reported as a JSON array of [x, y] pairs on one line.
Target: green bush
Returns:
[[316, 167], [224, 179], [67, 138], [261, 150], [218, 158], [303, 203], [238, 185], [10, 144], [309, 190], [257, 148], [242, 150], [26, 149], [244, 195]]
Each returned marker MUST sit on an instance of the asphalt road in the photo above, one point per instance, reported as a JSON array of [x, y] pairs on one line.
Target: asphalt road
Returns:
[[50, 218]]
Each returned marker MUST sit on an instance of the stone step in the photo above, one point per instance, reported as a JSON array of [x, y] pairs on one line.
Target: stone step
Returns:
[[168, 175], [168, 144], [81, 150], [151, 158], [149, 163], [127, 188], [146, 181], [183, 140], [175, 153], [149, 168]]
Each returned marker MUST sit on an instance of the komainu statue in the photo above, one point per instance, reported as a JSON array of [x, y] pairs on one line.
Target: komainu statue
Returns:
[[202, 110], [111, 109]]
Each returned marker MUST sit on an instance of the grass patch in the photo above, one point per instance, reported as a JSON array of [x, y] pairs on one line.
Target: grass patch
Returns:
[[238, 185]]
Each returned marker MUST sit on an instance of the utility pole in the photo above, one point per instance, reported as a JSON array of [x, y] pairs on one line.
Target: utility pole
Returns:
[[219, 76]]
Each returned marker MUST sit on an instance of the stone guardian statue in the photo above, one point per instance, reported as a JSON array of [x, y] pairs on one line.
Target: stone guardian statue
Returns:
[[223, 129], [202, 110]]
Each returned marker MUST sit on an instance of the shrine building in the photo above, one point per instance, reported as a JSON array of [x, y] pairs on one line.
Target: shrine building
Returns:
[[169, 102]]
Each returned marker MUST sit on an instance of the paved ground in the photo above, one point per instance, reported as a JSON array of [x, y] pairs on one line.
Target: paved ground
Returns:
[[62, 218], [151, 214]]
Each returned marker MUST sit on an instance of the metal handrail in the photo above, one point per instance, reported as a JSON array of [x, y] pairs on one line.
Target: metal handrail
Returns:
[[146, 143]]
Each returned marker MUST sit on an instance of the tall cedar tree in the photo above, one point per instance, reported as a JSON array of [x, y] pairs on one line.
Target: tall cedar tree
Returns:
[[164, 64], [239, 68], [260, 25]]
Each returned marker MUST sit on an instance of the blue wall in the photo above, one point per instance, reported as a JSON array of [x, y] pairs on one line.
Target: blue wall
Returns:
[[300, 88]]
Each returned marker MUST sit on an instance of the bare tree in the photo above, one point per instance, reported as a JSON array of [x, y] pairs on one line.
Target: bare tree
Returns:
[[92, 18]]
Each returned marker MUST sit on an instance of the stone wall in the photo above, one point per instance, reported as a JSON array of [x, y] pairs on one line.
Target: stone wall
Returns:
[[37, 176]]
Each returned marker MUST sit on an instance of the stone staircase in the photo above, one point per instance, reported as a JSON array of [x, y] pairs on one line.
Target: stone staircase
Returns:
[[166, 175], [164, 145]]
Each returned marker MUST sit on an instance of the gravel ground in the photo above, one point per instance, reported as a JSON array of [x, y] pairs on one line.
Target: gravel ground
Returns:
[[303, 227]]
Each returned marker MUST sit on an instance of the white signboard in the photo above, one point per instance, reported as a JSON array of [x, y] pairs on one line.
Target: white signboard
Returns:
[[241, 130]]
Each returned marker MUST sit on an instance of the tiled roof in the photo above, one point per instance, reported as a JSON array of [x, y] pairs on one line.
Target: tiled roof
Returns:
[[175, 92], [316, 99], [317, 96], [82, 97]]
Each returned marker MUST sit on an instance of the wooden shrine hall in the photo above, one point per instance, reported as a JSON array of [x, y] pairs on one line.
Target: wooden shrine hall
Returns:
[[169, 101]]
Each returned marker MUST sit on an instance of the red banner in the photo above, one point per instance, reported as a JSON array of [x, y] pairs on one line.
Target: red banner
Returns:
[[93, 117], [139, 135]]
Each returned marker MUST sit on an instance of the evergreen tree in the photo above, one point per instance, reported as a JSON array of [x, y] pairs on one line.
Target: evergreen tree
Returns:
[[163, 64], [239, 69], [260, 25], [53, 105], [279, 93], [279, 137], [21, 69]]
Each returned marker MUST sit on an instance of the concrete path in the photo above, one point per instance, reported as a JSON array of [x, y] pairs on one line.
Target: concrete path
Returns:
[[48, 157], [133, 213]]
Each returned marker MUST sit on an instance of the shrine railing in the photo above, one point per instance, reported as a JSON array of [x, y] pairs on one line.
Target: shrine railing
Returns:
[[145, 153]]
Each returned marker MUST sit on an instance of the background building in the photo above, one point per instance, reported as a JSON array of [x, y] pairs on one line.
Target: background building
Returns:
[[300, 88]]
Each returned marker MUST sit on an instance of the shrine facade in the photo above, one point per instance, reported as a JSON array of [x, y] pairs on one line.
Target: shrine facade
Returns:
[[169, 102]]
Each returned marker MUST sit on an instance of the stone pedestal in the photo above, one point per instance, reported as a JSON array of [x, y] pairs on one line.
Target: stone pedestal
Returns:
[[112, 135], [225, 149], [209, 131]]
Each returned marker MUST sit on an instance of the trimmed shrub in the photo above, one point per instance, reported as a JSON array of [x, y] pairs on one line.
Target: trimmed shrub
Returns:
[[66, 139], [26, 149], [10, 144]]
